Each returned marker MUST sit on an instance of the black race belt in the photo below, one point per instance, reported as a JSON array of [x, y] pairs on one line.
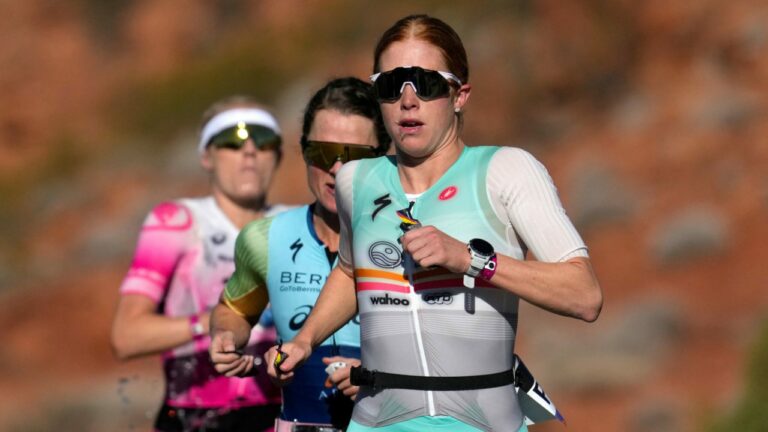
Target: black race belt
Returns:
[[360, 376]]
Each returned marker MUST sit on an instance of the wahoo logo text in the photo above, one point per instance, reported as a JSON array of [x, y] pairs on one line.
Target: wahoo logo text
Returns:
[[387, 300]]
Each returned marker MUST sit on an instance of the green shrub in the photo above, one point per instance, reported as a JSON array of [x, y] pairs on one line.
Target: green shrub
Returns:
[[751, 414]]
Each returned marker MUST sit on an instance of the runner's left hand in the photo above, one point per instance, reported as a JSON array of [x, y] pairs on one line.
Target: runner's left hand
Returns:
[[340, 378]]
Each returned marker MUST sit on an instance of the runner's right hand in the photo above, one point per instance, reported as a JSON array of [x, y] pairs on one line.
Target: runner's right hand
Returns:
[[226, 358], [295, 353]]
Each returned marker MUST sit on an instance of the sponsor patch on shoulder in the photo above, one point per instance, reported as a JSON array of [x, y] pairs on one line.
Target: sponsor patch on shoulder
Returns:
[[168, 216]]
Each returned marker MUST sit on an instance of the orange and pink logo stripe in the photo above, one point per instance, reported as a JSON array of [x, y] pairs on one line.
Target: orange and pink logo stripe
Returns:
[[429, 279]]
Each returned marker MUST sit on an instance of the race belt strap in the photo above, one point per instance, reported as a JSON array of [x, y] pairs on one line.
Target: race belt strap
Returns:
[[536, 405], [360, 376]]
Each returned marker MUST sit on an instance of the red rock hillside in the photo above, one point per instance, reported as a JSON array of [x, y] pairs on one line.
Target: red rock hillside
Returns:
[[651, 117]]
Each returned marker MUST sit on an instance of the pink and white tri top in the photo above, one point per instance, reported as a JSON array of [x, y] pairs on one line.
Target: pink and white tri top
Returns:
[[184, 256]]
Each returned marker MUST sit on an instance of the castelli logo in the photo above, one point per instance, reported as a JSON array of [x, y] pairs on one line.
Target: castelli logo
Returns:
[[168, 216], [448, 193]]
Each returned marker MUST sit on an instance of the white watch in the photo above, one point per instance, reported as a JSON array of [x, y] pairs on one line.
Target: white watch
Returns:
[[480, 252], [196, 327]]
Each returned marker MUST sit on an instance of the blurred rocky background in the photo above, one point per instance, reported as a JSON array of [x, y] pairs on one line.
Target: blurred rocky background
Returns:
[[651, 116]]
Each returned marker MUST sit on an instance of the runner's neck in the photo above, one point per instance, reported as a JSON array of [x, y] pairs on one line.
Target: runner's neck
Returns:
[[240, 214], [417, 178], [326, 226]]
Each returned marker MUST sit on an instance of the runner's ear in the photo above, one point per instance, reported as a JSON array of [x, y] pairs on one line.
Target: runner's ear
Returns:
[[206, 161], [461, 97]]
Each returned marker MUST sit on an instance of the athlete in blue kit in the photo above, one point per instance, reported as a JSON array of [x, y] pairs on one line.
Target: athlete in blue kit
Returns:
[[285, 261]]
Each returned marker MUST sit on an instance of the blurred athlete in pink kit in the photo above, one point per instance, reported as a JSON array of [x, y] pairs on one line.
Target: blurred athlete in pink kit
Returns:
[[184, 256]]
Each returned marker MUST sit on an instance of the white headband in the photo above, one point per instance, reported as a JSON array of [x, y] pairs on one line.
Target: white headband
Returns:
[[231, 118]]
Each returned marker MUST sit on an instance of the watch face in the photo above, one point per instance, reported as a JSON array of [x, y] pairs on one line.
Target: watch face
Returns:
[[197, 329], [481, 247]]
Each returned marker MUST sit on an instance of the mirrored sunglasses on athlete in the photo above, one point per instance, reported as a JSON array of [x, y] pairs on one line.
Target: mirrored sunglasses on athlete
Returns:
[[428, 84], [324, 154], [235, 137]]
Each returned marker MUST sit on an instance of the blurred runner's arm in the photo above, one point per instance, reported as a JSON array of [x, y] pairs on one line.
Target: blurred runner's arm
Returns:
[[139, 328]]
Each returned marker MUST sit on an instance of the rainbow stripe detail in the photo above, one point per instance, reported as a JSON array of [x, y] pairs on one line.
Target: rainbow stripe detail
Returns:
[[423, 279], [405, 217]]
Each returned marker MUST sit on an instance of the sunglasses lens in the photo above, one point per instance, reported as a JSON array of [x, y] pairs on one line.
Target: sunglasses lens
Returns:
[[315, 155], [226, 139], [386, 87], [324, 154], [235, 137], [269, 145], [429, 85], [358, 152], [230, 145]]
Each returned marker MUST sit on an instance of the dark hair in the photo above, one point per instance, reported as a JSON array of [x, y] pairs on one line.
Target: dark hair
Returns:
[[348, 96], [431, 30]]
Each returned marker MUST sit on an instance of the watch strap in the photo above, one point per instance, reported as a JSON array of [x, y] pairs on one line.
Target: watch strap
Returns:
[[196, 327], [489, 269], [476, 264]]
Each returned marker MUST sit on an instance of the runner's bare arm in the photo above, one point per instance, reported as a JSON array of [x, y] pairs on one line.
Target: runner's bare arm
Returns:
[[139, 330], [336, 305], [567, 288]]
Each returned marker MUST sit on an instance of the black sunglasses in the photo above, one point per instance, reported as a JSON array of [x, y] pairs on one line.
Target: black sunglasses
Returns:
[[324, 154], [428, 84], [235, 137]]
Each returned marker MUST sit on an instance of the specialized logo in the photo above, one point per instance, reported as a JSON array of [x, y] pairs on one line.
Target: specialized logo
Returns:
[[437, 298], [384, 254], [381, 202], [387, 300], [296, 247], [448, 193], [218, 238]]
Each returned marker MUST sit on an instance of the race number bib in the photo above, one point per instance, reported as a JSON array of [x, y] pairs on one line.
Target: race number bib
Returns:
[[534, 402]]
